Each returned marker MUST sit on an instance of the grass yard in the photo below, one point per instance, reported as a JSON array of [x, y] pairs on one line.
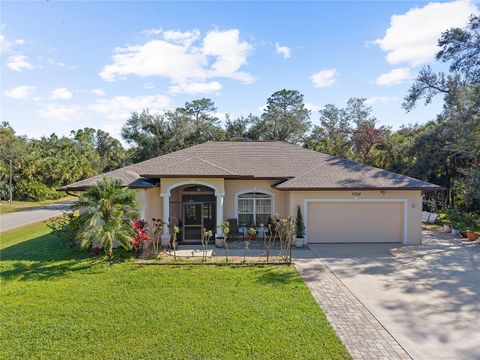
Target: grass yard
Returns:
[[56, 302], [5, 208]]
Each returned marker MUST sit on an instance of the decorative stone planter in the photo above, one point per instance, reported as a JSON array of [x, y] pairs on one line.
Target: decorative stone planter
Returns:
[[219, 242], [447, 228], [299, 242], [455, 232]]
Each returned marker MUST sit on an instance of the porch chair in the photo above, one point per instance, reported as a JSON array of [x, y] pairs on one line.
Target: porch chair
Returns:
[[235, 232]]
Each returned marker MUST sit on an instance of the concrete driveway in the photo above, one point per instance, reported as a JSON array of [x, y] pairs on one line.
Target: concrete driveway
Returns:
[[427, 297], [12, 220]]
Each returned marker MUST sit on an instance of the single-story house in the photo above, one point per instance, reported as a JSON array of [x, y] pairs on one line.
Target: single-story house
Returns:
[[341, 201]]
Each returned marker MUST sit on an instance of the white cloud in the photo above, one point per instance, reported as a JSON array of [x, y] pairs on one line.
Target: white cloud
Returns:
[[113, 129], [98, 92], [286, 52], [312, 107], [19, 63], [196, 87], [20, 92], [324, 78], [60, 94], [230, 54], [60, 64], [184, 58], [222, 116], [412, 37], [185, 38], [381, 99], [120, 107], [6, 44], [62, 112], [153, 31], [394, 77], [262, 108]]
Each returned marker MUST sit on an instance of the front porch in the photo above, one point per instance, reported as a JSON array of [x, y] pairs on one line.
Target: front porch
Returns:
[[192, 206]]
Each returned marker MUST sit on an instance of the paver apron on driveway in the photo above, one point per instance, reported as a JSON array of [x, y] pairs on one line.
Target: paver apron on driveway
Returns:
[[12, 220], [427, 297], [363, 335]]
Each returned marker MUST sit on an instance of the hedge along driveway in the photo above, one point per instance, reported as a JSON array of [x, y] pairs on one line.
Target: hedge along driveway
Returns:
[[60, 303]]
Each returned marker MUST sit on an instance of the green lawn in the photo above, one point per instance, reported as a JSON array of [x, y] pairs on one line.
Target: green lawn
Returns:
[[56, 302], [25, 205]]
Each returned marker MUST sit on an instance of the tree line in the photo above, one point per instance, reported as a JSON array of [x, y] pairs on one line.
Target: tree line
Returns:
[[444, 151]]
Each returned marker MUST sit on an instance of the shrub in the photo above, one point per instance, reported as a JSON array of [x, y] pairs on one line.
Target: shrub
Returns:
[[140, 237], [299, 227], [65, 227], [35, 191]]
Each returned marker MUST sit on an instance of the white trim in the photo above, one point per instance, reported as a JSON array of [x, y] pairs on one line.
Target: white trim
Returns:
[[166, 200], [189, 182], [361, 200], [259, 190]]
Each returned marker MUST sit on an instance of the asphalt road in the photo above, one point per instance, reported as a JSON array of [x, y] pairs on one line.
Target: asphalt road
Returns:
[[12, 220]]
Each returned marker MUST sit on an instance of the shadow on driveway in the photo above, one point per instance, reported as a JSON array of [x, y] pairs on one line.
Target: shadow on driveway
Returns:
[[427, 296]]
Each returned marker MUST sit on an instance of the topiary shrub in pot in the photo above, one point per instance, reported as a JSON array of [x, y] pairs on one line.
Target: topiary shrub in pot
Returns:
[[299, 229]]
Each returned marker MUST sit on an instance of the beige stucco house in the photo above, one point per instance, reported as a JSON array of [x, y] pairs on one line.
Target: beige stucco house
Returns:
[[341, 201]]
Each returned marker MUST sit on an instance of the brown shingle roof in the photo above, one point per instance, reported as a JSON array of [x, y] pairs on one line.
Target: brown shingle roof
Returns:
[[298, 168]]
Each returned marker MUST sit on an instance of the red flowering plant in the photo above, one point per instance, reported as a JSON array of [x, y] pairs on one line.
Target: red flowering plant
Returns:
[[141, 235]]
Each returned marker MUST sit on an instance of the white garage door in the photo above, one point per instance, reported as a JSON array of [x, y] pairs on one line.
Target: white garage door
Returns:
[[329, 222]]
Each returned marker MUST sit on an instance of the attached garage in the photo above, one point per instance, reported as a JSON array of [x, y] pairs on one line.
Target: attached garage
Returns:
[[356, 221]]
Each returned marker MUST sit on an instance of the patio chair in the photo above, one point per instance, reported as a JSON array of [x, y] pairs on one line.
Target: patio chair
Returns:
[[428, 218], [235, 232]]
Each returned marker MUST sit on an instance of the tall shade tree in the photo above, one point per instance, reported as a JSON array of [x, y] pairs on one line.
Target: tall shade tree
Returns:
[[242, 129], [458, 126], [158, 134], [333, 135], [285, 118], [107, 210], [366, 138], [12, 149], [147, 133]]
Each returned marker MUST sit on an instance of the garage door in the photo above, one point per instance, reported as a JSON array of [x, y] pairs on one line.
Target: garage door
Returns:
[[329, 222]]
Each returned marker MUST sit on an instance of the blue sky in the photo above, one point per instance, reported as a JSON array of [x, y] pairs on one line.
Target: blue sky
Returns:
[[67, 65]]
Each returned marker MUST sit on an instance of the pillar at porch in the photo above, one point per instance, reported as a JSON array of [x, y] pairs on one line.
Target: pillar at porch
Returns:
[[165, 237], [219, 211]]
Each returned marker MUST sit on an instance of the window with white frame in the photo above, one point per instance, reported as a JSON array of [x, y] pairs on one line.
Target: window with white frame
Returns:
[[254, 208]]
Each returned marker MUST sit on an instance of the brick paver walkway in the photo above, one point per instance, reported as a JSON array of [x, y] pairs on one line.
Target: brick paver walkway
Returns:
[[363, 335]]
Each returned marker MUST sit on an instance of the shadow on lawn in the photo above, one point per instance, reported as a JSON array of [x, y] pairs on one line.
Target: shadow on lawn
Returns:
[[275, 276], [42, 258]]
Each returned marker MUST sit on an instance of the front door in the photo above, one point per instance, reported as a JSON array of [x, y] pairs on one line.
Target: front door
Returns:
[[192, 221]]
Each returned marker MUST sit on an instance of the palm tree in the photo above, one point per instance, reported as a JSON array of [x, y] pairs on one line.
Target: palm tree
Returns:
[[106, 213]]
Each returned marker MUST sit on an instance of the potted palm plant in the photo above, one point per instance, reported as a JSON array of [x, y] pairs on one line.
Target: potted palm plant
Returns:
[[299, 229]]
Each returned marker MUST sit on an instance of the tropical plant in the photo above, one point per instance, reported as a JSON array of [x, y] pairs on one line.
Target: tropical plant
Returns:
[[206, 236], [267, 240], [140, 236], [107, 210], [285, 229], [157, 229], [174, 230], [225, 227]]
